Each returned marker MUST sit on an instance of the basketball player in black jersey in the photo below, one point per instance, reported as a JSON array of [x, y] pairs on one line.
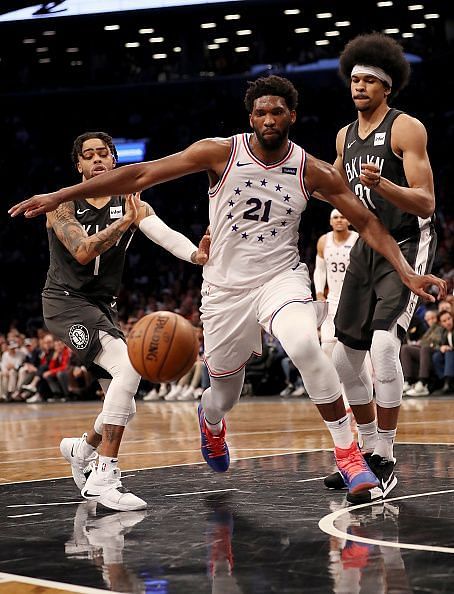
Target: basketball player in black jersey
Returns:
[[87, 242], [271, 103], [383, 158]]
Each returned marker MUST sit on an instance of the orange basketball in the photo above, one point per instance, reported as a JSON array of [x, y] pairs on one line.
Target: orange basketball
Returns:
[[163, 346]]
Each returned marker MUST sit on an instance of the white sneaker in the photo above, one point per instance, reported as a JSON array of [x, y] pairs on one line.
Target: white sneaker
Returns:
[[299, 391], [29, 388], [106, 489], [187, 394], [174, 393], [34, 399], [419, 389], [287, 391], [406, 387], [152, 396], [80, 466]]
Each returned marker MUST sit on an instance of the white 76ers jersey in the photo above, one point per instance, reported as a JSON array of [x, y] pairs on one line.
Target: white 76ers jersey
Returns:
[[255, 211], [337, 258]]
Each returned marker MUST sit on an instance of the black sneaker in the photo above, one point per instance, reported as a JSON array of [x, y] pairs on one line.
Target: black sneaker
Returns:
[[384, 471], [335, 480]]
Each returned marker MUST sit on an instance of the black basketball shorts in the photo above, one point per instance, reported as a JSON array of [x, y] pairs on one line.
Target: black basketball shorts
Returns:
[[373, 297], [76, 321]]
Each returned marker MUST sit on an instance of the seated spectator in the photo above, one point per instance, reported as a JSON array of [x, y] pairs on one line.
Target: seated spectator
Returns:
[[416, 357], [11, 361], [443, 358], [28, 369], [38, 387], [189, 386], [293, 381], [263, 373], [57, 375]]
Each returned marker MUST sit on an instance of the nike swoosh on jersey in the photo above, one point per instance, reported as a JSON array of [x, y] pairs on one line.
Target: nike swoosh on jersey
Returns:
[[238, 164], [351, 144], [81, 212]]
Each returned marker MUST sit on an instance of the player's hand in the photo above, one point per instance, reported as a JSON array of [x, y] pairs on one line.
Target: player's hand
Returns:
[[418, 283], [132, 205], [321, 297], [203, 253], [370, 175], [36, 205]]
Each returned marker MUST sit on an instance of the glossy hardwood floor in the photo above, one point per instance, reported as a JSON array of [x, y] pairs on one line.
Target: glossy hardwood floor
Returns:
[[166, 433]]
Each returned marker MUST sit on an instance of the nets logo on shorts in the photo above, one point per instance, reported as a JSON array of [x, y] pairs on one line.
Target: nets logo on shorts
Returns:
[[79, 336]]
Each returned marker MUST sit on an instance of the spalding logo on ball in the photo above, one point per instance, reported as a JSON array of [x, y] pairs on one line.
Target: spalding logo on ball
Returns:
[[163, 346]]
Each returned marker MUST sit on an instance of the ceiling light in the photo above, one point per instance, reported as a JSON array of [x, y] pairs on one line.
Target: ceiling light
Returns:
[[29, 41], [156, 39], [208, 25], [342, 24], [244, 32], [212, 46], [324, 15], [49, 33], [415, 7], [405, 35], [72, 50], [232, 17], [146, 31], [390, 31], [159, 56], [292, 11], [177, 49], [383, 4], [418, 26], [221, 40], [432, 15], [322, 42], [241, 49], [76, 63], [42, 50], [302, 30], [111, 27], [132, 44], [44, 60], [332, 33]]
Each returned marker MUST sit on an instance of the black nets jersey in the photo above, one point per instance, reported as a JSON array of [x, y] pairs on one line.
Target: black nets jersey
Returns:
[[100, 278], [376, 149]]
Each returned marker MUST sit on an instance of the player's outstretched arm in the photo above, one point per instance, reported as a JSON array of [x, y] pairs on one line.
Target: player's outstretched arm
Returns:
[[204, 155], [83, 247], [174, 242], [327, 181]]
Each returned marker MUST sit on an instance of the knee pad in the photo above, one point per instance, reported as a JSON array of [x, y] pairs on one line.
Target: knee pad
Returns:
[[353, 373], [113, 357], [389, 379]]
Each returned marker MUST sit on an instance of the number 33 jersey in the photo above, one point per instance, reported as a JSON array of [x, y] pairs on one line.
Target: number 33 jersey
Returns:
[[255, 212], [337, 258]]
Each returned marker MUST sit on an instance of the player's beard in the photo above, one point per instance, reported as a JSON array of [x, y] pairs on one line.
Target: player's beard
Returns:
[[274, 141]]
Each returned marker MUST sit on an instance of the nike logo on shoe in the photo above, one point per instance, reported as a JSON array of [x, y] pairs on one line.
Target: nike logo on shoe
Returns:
[[351, 144], [238, 164], [72, 451]]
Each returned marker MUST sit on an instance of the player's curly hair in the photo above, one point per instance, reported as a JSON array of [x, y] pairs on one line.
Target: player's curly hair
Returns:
[[271, 85], [77, 146], [376, 49]]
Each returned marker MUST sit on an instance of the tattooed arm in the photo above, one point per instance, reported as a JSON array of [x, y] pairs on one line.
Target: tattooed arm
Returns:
[[84, 247]]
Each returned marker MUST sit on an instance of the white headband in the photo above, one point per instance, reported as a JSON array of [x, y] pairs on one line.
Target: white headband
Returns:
[[374, 71], [335, 213]]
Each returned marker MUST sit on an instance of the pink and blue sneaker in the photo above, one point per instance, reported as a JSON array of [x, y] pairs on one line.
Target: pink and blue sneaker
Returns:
[[354, 469], [214, 447]]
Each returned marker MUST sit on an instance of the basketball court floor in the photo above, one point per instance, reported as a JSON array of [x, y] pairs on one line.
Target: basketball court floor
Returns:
[[267, 526]]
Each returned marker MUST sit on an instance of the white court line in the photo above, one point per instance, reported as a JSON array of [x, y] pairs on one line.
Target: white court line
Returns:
[[317, 478], [200, 492], [47, 504], [26, 515], [326, 524], [10, 577]]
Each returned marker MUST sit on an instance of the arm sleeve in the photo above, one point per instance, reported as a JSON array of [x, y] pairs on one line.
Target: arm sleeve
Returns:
[[320, 274], [172, 241]]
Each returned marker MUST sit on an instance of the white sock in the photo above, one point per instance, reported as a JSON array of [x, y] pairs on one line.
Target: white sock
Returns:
[[107, 463], [385, 442], [367, 436], [341, 432]]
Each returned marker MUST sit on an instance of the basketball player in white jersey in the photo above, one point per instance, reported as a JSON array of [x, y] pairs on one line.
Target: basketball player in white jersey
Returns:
[[333, 256], [260, 184]]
